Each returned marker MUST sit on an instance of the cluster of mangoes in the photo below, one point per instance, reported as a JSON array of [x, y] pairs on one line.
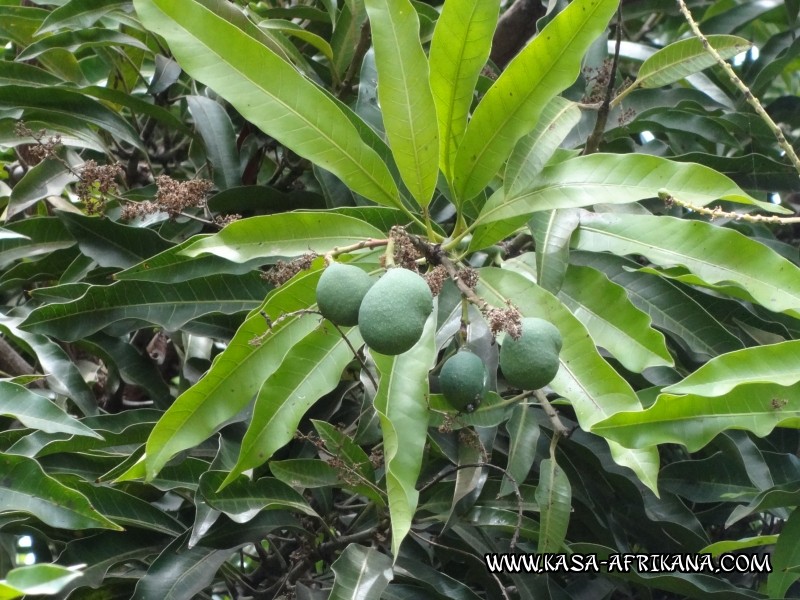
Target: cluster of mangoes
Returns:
[[391, 314]]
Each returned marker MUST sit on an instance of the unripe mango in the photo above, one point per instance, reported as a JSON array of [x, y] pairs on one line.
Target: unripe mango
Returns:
[[531, 362], [394, 310], [462, 380], [340, 291]]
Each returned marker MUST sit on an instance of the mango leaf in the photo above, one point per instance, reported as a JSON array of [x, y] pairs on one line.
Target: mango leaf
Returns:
[[361, 573], [242, 499], [730, 546], [512, 106], [35, 411], [216, 129], [79, 14], [126, 305], [237, 373], [694, 420], [76, 40], [592, 386], [686, 57], [779, 496], [270, 93], [36, 580], [533, 150], [616, 179], [774, 363], [292, 29], [459, 49], [671, 309], [409, 114], [523, 432], [48, 178], [400, 403], [284, 235], [785, 557], [25, 487], [346, 32], [711, 253], [552, 230], [554, 496], [312, 368], [35, 236]]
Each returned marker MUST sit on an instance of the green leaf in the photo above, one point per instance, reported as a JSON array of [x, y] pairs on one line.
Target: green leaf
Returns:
[[76, 40], [236, 374], [346, 33], [532, 152], [774, 363], [242, 499], [512, 106], [616, 179], [360, 574], [216, 129], [554, 496], [35, 411], [459, 49], [779, 496], [79, 14], [730, 546], [25, 487], [785, 556], [292, 29], [686, 57], [352, 457], [552, 231], [400, 403], [711, 253], [35, 580], [127, 305], [409, 114], [694, 420], [48, 178], [592, 386], [305, 473], [523, 432], [284, 235], [112, 244], [269, 93], [312, 368], [35, 236]]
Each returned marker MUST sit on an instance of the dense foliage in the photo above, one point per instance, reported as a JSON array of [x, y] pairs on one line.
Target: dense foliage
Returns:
[[177, 420]]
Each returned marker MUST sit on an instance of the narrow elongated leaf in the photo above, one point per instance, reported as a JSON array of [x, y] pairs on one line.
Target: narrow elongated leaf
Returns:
[[36, 236], [76, 40], [244, 498], [552, 231], [459, 49], [523, 431], [284, 235], [511, 107], [346, 32], [112, 244], [616, 179], [236, 374], [711, 253], [409, 114], [216, 129], [554, 496], [64, 377], [694, 420], [292, 29], [270, 93], [532, 152], [35, 580], [35, 411], [361, 573], [670, 308], [785, 557], [25, 487], [48, 178], [126, 305], [594, 389], [774, 363], [686, 57], [400, 403], [179, 572], [312, 368], [79, 14]]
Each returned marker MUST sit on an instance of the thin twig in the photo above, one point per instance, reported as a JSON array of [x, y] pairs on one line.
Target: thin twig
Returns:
[[717, 212], [355, 64], [593, 142], [558, 427], [748, 95]]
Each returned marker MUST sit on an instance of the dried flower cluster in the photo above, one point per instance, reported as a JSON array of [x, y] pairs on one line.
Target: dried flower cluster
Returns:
[[598, 80], [284, 271], [172, 197], [96, 184], [435, 279], [33, 154], [505, 319], [469, 276], [405, 253]]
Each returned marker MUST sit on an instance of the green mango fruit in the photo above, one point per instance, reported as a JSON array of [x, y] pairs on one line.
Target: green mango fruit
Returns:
[[463, 380], [394, 310], [340, 290], [531, 362]]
